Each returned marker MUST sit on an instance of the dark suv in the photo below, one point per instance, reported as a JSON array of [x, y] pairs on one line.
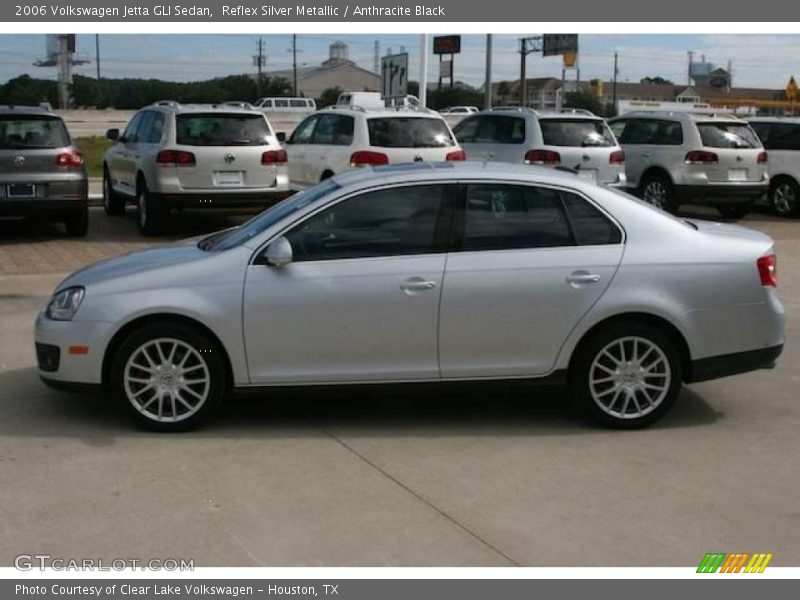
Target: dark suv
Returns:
[[41, 172]]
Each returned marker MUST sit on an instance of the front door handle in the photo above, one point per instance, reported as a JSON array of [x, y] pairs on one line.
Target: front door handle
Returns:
[[578, 278], [417, 284]]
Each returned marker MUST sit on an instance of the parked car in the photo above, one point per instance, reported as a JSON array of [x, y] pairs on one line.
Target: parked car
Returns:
[[781, 138], [459, 110], [424, 273], [339, 138], [674, 158], [304, 105], [195, 156], [41, 171], [516, 135]]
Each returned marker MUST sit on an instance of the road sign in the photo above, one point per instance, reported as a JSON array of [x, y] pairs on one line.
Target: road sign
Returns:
[[559, 43], [447, 44], [791, 89], [394, 76]]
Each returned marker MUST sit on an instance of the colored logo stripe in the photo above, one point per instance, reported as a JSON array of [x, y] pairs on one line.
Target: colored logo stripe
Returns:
[[734, 563]]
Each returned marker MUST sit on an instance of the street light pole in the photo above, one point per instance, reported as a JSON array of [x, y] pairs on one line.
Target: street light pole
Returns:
[[423, 71], [487, 94]]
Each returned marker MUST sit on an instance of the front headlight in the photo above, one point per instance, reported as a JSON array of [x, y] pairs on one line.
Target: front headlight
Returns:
[[63, 305]]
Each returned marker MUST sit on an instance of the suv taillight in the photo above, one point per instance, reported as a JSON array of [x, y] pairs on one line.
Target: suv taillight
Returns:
[[71, 158], [617, 157], [701, 157], [762, 158], [768, 270], [364, 158], [272, 157], [456, 155], [542, 157], [178, 158]]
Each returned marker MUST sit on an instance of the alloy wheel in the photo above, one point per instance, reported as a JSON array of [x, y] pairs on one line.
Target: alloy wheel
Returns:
[[784, 199], [655, 193]]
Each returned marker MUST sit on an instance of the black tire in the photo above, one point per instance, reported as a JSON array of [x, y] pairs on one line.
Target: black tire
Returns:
[[205, 351], [657, 189], [784, 197], [77, 224], [113, 203], [735, 211], [616, 392], [152, 213]]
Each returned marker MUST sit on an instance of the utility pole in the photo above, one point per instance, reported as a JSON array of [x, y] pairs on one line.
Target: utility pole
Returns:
[[614, 86], [689, 69], [376, 57], [487, 94], [526, 46], [259, 60], [97, 53], [294, 63], [423, 70]]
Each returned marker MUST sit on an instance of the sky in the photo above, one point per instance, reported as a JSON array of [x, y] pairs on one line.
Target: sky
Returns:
[[758, 60]]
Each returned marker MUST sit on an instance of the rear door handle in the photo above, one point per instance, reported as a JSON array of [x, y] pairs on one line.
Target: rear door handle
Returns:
[[417, 284], [577, 278]]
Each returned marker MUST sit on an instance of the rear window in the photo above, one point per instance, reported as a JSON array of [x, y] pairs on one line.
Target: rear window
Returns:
[[727, 135], [213, 129], [491, 129], [408, 132], [576, 132], [19, 132]]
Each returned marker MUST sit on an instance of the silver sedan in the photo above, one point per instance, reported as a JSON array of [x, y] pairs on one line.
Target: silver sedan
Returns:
[[424, 273]]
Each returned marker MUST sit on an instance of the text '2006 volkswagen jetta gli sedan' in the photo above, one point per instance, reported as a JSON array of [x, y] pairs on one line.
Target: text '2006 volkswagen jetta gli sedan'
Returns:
[[424, 273]]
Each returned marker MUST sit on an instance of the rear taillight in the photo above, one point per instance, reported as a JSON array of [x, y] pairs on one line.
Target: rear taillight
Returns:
[[542, 157], [701, 157], [178, 158], [617, 157], [456, 155], [762, 158], [365, 158], [273, 157], [768, 270], [71, 158]]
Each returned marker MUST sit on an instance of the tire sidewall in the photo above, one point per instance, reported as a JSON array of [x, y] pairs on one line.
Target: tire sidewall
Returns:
[[581, 365], [206, 347]]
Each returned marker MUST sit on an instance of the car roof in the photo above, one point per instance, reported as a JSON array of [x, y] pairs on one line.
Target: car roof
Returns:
[[681, 116], [792, 120], [568, 113], [13, 109], [178, 108], [401, 111], [451, 171]]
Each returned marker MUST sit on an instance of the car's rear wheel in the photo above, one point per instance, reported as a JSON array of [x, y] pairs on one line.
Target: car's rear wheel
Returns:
[[784, 196], [152, 214], [113, 203], [657, 190], [626, 375], [735, 211], [169, 376], [77, 224]]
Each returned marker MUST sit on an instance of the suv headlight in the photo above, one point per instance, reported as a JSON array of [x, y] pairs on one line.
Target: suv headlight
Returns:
[[63, 305]]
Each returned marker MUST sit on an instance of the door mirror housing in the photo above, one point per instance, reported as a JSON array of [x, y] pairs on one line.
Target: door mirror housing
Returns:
[[112, 134], [281, 135], [279, 253]]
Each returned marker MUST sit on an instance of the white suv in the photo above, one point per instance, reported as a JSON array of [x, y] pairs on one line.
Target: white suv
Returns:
[[673, 158], [197, 156], [340, 138], [573, 139], [781, 138]]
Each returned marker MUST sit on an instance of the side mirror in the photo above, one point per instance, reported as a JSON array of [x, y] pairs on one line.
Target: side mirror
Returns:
[[281, 137], [279, 253], [112, 134]]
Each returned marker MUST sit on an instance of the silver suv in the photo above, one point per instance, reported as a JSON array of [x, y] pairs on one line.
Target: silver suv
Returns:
[[41, 172], [195, 156], [674, 158], [573, 139]]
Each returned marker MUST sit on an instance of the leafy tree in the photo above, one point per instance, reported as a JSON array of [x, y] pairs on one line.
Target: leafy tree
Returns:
[[585, 100], [328, 97], [657, 80]]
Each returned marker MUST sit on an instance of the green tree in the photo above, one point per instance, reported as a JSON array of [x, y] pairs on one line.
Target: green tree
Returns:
[[657, 80], [584, 100], [328, 97]]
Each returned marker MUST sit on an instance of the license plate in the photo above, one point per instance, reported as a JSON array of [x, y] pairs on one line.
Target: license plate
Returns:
[[737, 175], [588, 174], [21, 190], [229, 178]]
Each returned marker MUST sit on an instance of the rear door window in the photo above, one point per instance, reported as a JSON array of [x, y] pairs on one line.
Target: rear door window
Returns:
[[728, 135], [576, 132], [335, 130], [408, 132], [32, 131], [589, 225], [779, 136], [491, 129], [214, 129]]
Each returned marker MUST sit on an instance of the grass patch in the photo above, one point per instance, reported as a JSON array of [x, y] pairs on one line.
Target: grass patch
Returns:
[[93, 148]]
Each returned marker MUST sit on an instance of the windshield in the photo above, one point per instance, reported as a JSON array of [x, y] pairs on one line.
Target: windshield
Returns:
[[225, 240], [576, 132], [409, 132], [214, 129], [32, 131], [727, 135]]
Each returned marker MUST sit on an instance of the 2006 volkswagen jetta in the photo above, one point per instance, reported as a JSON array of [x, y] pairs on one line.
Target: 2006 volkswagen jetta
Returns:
[[418, 273]]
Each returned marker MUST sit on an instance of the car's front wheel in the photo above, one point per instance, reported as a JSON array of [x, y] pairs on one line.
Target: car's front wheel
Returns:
[[169, 376], [153, 214], [626, 375], [113, 203]]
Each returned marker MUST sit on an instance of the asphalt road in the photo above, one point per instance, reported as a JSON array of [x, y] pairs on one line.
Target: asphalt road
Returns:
[[470, 476]]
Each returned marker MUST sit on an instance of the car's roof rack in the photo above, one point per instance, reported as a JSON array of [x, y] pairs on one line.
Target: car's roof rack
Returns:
[[167, 103], [27, 107]]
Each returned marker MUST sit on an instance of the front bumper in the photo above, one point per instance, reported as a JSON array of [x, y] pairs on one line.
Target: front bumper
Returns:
[[54, 339], [718, 193], [715, 367]]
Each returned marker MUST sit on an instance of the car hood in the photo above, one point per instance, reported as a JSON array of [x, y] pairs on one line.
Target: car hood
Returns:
[[170, 255]]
